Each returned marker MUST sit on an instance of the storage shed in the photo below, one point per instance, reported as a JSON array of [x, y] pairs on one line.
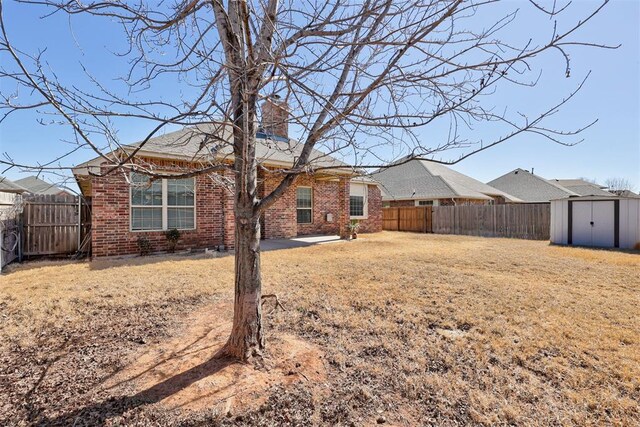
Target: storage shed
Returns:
[[606, 222]]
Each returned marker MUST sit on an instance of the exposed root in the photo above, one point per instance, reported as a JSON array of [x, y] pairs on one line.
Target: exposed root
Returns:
[[277, 300]]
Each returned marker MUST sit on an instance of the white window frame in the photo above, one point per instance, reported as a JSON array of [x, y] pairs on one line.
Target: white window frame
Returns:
[[365, 199], [165, 207], [309, 208]]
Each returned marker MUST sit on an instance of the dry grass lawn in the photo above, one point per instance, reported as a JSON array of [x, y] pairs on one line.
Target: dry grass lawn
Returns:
[[413, 330]]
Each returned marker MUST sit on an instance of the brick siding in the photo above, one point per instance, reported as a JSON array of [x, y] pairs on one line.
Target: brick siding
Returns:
[[111, 234]]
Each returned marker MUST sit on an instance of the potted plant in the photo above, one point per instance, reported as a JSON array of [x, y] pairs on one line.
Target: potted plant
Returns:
[[172, 236], [353, 226]]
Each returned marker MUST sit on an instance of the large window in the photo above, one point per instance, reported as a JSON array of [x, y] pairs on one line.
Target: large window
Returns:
[[358, 201], [162, 204], [304, 203]]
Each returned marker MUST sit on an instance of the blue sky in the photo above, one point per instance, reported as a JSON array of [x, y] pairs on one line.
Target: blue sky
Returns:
[[611, 148]]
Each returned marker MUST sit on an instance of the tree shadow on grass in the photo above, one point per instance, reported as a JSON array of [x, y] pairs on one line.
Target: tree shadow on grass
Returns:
[[98, 413]]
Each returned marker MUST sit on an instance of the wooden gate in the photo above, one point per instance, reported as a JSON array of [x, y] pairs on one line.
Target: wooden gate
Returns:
[[407, 219], [55, 225]]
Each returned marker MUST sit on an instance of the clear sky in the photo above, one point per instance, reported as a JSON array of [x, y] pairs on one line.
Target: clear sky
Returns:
[[611, 148]]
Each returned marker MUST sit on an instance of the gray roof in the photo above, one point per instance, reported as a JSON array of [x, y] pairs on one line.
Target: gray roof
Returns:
[[204, 142], [578, 181], [529, 187], [627, 193], [582, 187], [423, 179], [7, 186], [35, 185]]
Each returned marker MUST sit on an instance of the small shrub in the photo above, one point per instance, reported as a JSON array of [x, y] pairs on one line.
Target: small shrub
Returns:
[[144, 245], [172, 236]]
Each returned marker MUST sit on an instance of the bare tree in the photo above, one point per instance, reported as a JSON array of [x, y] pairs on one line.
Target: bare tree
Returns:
[[361, 79], [619, 185]]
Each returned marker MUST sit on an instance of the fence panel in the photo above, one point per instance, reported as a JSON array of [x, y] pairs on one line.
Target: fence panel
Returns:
[[407, 219], [524, 221], [54, 224], [390, 219]]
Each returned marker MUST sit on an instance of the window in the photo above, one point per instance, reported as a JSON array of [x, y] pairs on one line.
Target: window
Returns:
[[356, 205], [426, 202], [304, 204], [162, 204], [358, 201]]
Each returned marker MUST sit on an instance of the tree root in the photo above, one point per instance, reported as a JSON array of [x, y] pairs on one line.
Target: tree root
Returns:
[[277, 300]]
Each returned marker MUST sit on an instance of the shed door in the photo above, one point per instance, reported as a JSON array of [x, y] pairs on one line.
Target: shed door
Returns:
[[582, 229], [594, 223], [603, 224]]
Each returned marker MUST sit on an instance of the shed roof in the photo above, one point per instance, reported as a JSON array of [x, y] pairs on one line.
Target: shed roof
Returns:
[[424, 179]]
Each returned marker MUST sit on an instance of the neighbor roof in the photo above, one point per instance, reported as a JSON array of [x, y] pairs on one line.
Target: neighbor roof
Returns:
[[35, 185], [7, 186], [582, 187], [424, 179], [529, 187]]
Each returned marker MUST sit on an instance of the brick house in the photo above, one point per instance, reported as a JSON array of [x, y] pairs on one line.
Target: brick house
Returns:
[[125, 206], [426, 183]]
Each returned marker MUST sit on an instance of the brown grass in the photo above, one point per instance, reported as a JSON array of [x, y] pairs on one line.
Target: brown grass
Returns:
[[420, 329]]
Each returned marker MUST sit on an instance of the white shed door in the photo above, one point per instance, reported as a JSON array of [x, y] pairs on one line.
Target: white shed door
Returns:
[[582, 229], [594, 223], [603, 224]]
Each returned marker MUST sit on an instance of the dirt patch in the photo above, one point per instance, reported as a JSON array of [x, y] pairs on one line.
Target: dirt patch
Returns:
[[186, 374]]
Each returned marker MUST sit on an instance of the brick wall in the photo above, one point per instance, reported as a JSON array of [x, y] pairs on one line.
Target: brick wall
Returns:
[[280, 220], [111, 233], [373, 223], [401, 203]]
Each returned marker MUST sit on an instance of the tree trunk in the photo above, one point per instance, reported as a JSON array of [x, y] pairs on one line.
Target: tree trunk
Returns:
[[247, 335]]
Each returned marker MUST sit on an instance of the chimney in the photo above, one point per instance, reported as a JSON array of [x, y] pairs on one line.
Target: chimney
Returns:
[[275, 117]]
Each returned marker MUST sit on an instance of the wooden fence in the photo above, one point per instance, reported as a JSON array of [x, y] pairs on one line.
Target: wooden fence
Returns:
[[524, 221], [407, 219], [55, 225]]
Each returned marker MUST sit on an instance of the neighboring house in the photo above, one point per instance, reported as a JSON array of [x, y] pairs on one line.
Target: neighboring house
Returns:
[[582, 187], [626, 193], [10, 196], [424, 183], [530, 188], [202, 207], [35, 185]]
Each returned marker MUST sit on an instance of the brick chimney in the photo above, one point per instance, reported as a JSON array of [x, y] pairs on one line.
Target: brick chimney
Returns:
[[275, 117]]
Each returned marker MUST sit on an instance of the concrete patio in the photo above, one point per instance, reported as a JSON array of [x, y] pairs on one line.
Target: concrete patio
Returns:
[[297, 242]]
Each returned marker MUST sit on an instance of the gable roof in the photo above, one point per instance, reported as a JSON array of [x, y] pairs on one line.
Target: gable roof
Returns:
[[529, 187], [8, 186], [582, 187], [35, 185], [208, 142], [424, 179]]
